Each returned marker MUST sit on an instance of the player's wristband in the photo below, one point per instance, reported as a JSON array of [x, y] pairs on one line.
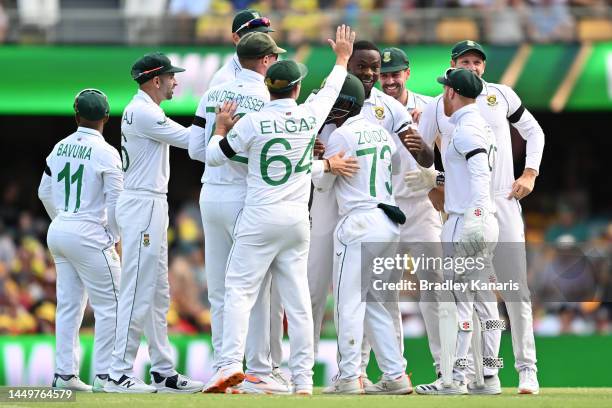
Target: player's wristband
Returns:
[[440, 179]]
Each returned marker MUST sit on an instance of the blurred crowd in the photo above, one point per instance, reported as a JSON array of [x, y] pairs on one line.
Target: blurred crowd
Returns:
[[561, 245], [307, 21]]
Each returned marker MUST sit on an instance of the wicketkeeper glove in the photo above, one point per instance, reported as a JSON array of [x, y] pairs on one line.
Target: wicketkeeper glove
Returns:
[[472, 240], [423, 179]]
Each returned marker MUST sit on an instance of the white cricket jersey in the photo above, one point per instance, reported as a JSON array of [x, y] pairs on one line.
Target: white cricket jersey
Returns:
[[376, 153], [279, 142], [146, 137], [417, 101], [251, 94], [389, 113], [498, 105], [228, 72], [83, 178], [469, 163]]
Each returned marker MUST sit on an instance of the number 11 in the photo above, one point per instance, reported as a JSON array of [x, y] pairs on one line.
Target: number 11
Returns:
[[68, 180]]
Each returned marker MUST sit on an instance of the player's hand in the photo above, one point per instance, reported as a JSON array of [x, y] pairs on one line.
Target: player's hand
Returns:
[[436, 196], [416, 115], [319, 148], [472, 240], [341, 166], [422, 178], [413, 141], [343, 46], [225, 117], [523, 186]]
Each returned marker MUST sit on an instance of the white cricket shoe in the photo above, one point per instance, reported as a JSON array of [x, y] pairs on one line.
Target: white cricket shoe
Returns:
[[342, 386], [70, 382], [437, 388], [176, 384], [263, 385], [99, 383], [491, 386], [366, 381], [128, 385], [399, 386], [302, 389], [528, 381], [278, 374], [223, 379]]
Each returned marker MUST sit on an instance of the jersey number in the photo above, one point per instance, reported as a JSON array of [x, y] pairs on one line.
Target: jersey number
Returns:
[[68, 180], [305, 163], [375, 157]]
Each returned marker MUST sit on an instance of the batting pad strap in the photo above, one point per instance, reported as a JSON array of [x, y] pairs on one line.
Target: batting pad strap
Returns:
[[493, 362], [475, 152], [492, 324], [462, 363], [465, 325]]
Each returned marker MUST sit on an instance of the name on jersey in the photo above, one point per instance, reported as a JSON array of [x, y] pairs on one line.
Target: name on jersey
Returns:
[[249, 103], [367, 136], [267, 127], [74, 151]]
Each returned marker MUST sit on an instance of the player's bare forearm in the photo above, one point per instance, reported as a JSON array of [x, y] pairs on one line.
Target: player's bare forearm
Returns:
[[436, 196], [425, 157], [523, 186], [412, 140]]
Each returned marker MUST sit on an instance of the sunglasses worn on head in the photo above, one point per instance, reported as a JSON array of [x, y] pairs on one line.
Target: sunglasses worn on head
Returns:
[[254, 23]]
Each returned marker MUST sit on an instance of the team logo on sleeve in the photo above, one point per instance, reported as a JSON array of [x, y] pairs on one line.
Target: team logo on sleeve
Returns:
[[492, 100], [379, 112], [145, 240], [162, 122], [386, 56]]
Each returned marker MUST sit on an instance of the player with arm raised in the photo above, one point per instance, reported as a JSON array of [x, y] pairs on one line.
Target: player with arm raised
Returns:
[[142, 216], [368, 214], [501, 108], [222, 198], [79, 189], [272, 233]]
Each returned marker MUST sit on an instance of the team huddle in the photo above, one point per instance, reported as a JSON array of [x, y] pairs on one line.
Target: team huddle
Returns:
[[290, 193]]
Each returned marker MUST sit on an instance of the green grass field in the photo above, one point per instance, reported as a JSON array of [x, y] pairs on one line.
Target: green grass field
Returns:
[[549, 397]]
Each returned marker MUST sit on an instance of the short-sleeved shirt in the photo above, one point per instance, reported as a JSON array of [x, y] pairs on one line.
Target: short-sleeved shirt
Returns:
[[83, 169], [375, 151], [146, 136], [496, 103]]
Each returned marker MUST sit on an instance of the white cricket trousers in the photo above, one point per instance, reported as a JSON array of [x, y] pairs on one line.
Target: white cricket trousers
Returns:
[[145, 293], [512, 233], [422, 229], [87, 265], [352, 314], [270, 239], [324, 219], [484, 302], [219, 220]]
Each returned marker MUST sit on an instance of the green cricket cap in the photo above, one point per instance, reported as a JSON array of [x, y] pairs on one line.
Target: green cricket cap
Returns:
[[283, 76], [463, 81], [466, 46], [257, 45], [91, 104], [352, 90], [152, 65], [249, 20], [393, 60]]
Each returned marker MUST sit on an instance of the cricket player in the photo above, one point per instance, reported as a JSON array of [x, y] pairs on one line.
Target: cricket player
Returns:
[[501, 107], [221, 200], [79, 187], [394, 73], [385, 111], [142, 216], [273, 230], [471, 228], [368, 214], [245, 21], [423, 230]]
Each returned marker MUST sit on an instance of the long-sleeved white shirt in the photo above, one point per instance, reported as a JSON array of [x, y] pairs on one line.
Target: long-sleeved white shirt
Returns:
[[146, 136], [228, 72], [278, 142], [82, 180], [500, 106], [469, 163]]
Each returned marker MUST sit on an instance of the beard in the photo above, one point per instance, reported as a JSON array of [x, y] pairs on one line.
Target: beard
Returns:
[[448, 110]]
